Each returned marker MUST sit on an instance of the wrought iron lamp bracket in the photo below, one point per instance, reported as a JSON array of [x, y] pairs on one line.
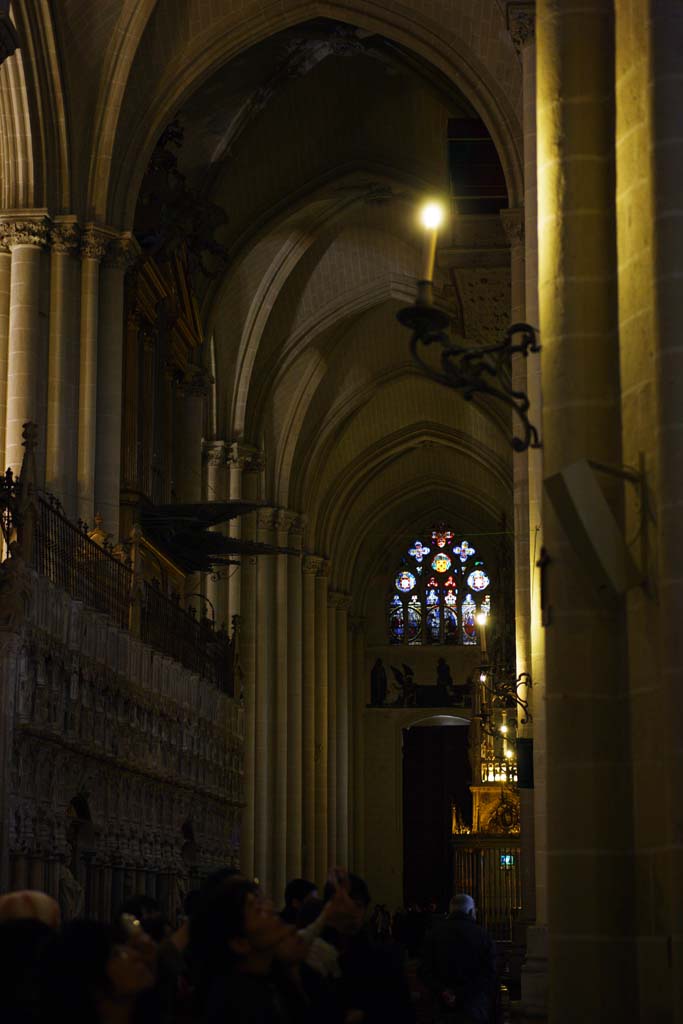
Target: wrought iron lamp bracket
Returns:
[[483, 370], [506, 689]]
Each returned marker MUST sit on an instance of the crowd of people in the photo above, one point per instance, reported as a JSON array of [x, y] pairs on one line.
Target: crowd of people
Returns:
[[234, 959]]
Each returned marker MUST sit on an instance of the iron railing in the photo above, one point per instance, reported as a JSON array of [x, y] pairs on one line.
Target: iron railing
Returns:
[[64, 553], [488, 868], [90, 572]]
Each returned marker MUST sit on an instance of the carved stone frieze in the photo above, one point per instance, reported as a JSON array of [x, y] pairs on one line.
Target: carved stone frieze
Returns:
[[126, 747]]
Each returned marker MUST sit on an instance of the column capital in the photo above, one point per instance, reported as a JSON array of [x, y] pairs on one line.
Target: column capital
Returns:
[[513, 224], [521, 23], [122, 253], [324, 570], [339, 599], [284, 520], [196, 384], [65, 237], [311, 564], [215, 453], [357, 623], [94, 242], [247, 456], [299, 524], [24, 230], [266, 518]]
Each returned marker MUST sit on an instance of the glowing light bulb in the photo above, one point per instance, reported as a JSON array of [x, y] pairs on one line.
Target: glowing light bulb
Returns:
[[482, 677], [503, 729], [508, 753], [432, 216], [482, 618]]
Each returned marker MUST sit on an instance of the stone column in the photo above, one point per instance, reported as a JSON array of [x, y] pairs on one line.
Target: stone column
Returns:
[[332, 602], [311, 566], [216, 455], [93, 247], [295, 837], [25, 357], [358, 699], [5, 276], [662, 748], [589, 799], [321, 719], [343, 716], [61, 474], [110, 386], [188, 446], [248, 641], [282, 741], [265, 704], [241, 457]]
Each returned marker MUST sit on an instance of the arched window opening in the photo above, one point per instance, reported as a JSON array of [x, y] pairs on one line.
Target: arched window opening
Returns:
[[438, 590]]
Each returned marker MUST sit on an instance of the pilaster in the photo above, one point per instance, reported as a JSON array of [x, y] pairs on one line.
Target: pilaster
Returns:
[[311, 566]]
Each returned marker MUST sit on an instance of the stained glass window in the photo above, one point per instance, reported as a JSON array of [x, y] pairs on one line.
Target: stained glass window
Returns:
[[439, 604], [405, 581]]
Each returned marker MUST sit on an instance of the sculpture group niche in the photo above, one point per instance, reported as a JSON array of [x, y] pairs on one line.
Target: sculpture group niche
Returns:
[[398, 687]]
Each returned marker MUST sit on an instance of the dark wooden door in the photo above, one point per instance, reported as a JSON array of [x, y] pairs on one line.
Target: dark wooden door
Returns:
[[436, 774]]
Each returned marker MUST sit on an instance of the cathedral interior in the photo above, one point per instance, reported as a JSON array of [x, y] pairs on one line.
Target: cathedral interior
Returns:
[[332, 535]]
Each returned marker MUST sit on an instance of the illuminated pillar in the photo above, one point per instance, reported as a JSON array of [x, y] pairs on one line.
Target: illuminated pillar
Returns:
[[283, 741], [295, 646], [343, 716], [332, 734], [5, 276], [321, 719], [589, 798], [265, 704]]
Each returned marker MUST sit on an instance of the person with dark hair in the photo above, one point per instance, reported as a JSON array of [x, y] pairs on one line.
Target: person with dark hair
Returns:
[[297, 891], [100, 974], [234, 934]]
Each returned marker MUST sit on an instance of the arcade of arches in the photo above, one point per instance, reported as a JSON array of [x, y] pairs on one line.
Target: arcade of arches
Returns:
[[207, 226]]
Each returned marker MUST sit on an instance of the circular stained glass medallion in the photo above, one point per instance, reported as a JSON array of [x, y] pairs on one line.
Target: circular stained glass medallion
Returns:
[[441, 563], [478, 580], [405, 581]]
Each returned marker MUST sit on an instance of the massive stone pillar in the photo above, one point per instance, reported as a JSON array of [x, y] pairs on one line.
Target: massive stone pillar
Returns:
[[265, 704], [343, 716], [188, 436], [589, 800], [93, 247], [61, 472], [295, 838], [5, 276], [661, 749], [26, 359], [332, 601], [321, 723], [311, 567], [248, 640], [358, 688], [283, 752], [216, 455], [110, 387]]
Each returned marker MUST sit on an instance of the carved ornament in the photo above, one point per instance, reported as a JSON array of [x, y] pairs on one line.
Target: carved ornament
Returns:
[[513, 225], [94, 243], [521, 20], [65, 238], [14, 233]]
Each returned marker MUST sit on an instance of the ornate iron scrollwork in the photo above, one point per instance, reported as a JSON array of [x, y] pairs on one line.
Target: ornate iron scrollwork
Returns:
[[483, 370]]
